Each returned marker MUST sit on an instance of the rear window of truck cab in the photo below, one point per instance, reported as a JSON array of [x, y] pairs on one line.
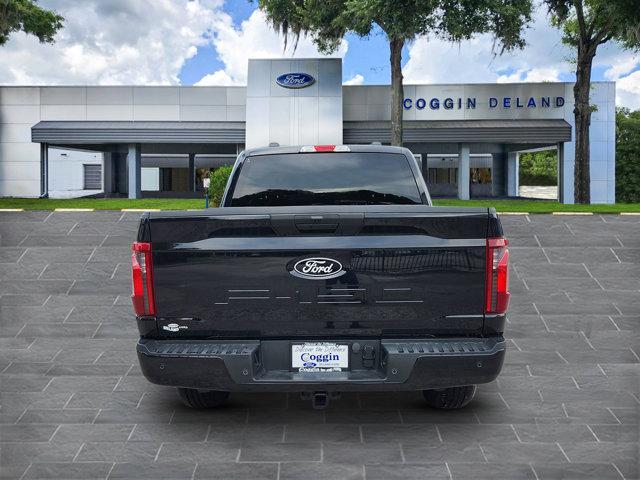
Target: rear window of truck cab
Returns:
[[346, 178]]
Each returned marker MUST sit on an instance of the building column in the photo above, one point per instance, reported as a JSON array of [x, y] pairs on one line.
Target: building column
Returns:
[[44, 170], [134, 164], [463, 171], [513, 167], [561, 176], [192, 172], [107, 173], [499, 173]]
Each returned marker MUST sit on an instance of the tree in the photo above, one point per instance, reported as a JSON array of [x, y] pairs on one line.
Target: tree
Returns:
[[587, 24], [539, 168], [627, 156], [217, 183], [327, 21], [28, 17]]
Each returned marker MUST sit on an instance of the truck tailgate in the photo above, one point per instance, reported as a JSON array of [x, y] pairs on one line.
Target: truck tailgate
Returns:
[[320, 271]]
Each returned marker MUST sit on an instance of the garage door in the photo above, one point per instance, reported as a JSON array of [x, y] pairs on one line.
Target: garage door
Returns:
[[93, 177]]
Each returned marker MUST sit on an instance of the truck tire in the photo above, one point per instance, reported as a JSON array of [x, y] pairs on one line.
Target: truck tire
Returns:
[[450, 398], [202, 398]]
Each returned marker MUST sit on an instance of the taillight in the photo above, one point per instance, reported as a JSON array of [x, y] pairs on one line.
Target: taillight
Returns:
[[142, 279], [324, 148], [497, 276]]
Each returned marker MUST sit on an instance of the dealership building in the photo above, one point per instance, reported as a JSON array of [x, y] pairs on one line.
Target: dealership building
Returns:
[[148, 141]]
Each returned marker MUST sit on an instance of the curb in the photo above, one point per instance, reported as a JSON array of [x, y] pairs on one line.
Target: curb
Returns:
[[630, 213], [513, 213], [11, 209]]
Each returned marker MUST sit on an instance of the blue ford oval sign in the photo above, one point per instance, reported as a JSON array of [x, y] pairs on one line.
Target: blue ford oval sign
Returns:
[[295, 80]]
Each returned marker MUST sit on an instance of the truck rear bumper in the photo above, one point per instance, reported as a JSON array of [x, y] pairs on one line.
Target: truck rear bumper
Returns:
[[263, 365]]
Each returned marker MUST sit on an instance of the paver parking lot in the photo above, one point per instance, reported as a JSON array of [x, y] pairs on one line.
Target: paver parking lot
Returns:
[[75, 405]]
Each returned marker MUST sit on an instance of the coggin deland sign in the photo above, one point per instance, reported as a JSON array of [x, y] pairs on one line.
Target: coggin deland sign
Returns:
[[469, 103], [302, 80]]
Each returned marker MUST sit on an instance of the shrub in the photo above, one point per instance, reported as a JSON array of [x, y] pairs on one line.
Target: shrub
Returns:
[[627, 156], [539, 168], [217, 183]]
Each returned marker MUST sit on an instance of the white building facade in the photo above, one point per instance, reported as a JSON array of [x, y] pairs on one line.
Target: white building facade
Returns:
[[161, 141]]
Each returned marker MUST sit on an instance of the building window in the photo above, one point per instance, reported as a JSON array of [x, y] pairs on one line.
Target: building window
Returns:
[[480, 175], [442, 175], [92, 177]]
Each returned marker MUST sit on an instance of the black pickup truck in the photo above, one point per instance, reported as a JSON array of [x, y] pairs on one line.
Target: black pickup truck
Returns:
[[326, 269]]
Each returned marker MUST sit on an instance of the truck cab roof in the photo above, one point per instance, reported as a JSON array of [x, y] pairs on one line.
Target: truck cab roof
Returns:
[[280, 150]]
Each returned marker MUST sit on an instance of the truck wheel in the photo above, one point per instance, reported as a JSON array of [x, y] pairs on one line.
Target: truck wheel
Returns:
[[202, 398], [450, 398]]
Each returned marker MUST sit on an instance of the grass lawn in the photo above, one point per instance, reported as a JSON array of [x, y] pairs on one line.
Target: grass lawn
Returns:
[[102, 203], [539, 206]]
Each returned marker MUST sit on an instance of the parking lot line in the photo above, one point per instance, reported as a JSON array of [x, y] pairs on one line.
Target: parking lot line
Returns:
[[140, 210], [74, 209], [572, 213]]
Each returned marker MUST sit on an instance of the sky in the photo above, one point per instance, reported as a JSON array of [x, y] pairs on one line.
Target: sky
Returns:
[[208, 42]]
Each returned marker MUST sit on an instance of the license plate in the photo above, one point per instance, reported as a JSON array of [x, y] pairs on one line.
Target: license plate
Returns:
[[319, 357]]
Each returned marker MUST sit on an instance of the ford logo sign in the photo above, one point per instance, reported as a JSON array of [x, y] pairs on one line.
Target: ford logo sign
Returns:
[[317, 268], [295, 80]]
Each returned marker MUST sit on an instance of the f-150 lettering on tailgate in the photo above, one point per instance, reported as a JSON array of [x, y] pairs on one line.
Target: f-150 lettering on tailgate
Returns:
[[322, 295]]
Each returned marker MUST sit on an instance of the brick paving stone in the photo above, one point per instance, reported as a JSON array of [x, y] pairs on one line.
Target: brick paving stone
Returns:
[[199, 452], [153, 470], [321, 471], [343, 452], [75, 405], [436, 471], [490, 471], [257, 451], [326, 433], [576, 471], [252, 471], [68, 470], [442, 452], [118, 452]]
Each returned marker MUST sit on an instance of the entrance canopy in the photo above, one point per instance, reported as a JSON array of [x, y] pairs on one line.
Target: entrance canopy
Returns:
[[457, 131], [87, 132], [362, 132]]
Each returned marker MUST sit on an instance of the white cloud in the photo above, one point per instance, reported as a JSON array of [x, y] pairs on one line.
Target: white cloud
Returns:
[[545, 58], [622, 65], [115, 42], [253, 39], [628, 91], [357, 79], [436, 61], [531, 75], [621, 70], [219, 77]]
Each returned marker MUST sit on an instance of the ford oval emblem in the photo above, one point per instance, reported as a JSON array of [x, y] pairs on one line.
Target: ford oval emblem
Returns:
[[295, 80], [317, 268]]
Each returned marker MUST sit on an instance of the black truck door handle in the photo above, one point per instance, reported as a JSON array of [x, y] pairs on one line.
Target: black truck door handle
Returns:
[[329, 223], [317, 227], [316, 223]]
